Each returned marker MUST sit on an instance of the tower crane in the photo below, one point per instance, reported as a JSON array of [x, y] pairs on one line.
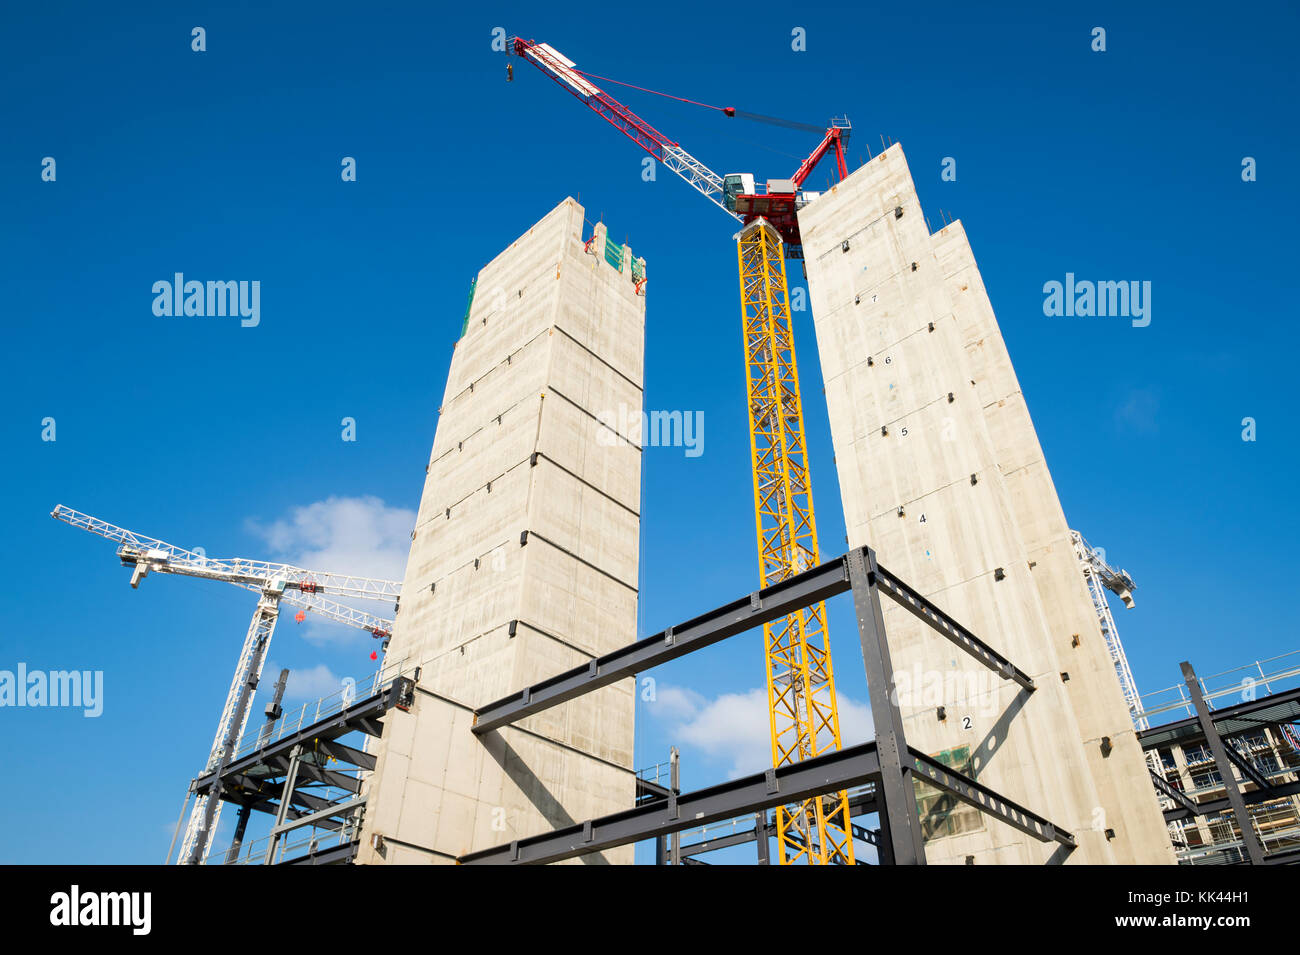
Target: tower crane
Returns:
[[1100, 577], [802, 709], [275, 584]]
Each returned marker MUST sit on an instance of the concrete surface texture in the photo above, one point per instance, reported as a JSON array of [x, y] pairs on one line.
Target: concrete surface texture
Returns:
[[941, 472], [523, 561]]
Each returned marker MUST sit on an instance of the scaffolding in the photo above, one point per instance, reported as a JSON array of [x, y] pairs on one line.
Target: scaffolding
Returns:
[[1215, 767]]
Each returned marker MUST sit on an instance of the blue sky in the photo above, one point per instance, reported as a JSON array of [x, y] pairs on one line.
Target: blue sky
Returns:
[[225, 164]]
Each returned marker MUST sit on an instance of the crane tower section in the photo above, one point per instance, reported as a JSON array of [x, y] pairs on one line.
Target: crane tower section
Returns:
[[1100, 577], [803, 715]]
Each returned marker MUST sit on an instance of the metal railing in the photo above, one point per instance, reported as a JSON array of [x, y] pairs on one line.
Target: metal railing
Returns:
[[1248, 682], [293, 844], [312, 712]]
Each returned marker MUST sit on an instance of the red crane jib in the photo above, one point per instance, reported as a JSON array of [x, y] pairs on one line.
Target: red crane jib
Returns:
[[778, 208]]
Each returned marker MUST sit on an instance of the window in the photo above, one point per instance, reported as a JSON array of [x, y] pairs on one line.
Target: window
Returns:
[[1204, 780], [943, 815]]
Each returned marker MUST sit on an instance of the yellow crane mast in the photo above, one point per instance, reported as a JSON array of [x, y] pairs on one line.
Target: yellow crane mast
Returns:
[[802, 710]]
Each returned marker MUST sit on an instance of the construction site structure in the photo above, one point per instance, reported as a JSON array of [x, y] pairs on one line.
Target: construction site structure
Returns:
[[941, 472], [1223, 748], [524, 558], [802, 707], [1101, 577], [275, 583]]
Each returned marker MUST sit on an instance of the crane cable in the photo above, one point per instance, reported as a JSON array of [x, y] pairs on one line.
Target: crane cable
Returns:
[[680, 99], [726, 110]]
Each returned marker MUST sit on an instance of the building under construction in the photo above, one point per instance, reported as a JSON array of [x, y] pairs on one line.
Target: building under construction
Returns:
[[499, 729]]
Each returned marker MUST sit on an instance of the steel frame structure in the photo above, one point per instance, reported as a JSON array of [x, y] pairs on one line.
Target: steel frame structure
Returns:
[[861, 802], [1219, 730], [277, 775], [887, 763]]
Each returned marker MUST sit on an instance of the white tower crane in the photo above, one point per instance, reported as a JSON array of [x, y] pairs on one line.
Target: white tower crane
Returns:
[[276, 584], [1100, 577]]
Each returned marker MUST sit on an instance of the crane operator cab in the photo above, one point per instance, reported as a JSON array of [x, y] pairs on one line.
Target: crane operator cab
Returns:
[[735, 184]]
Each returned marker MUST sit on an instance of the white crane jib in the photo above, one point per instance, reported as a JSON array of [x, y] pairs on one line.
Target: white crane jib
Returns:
[[150, 554], [276, 584]]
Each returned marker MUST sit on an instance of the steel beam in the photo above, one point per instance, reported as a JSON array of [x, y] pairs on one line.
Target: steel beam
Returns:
[[946, 626], [790, 783], [771, 603], [286, 799], [1247, 771], [888, 762], [860, 803], [1230, 721], [1175, 795], [316, 818], [986, 800], [900, 823], [764, 606], [362, 716], [720, 842], [1249, 838], [337, 855], [1223, 805]]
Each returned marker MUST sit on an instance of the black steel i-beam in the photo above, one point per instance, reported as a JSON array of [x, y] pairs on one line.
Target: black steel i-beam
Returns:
[[790, 783], [946, 626], [986, 800], [771, 603], [1254, 851], [902, 842], [763, 606]]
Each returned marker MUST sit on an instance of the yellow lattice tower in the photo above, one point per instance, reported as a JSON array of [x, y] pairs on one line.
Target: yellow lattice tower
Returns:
[[803, 715]]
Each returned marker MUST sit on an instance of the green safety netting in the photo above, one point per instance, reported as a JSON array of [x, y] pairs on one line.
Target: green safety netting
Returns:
[[614, 254], [468, 305]]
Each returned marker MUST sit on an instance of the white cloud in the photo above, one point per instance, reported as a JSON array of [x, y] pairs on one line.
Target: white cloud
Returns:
[[677, 702], [342, 535], [735, 726], [311, 683]]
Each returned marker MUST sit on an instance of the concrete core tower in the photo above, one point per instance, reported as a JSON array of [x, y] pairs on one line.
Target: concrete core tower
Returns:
[[941, 472], [524, 558]]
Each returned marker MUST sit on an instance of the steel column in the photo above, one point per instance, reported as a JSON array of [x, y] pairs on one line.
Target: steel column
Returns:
[[900, 822], [760, 838], [286, 797], [1254, 851], [675, 784]]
